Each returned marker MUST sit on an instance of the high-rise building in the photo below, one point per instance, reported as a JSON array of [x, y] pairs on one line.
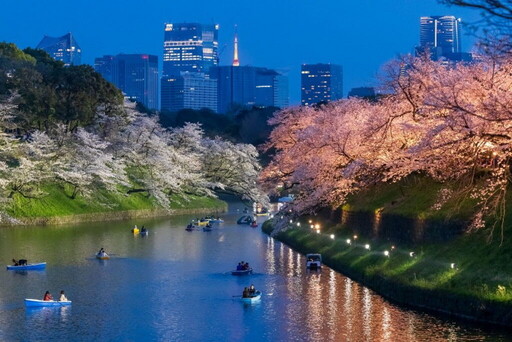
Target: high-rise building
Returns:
[[106, 67], [321, 83], [65, 48], [441, 32], [189, 47], [250, 86], [190, 50], [440, 37], [189, 91], [135, 74]]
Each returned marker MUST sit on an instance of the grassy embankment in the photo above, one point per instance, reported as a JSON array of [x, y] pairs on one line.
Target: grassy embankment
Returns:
[[57, 206], [480, 284]]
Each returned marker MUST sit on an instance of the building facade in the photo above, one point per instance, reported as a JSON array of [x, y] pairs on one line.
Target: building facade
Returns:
[[135, 74], [189, 91], [321, 83], [440, 37], [249, 86], [190, 50], [189, 47], [64, 49]]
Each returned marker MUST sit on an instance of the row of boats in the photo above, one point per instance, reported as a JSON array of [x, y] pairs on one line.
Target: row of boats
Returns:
[[206, 223]]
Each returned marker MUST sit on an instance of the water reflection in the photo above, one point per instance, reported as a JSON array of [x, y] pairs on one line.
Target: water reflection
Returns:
[[172, 284]]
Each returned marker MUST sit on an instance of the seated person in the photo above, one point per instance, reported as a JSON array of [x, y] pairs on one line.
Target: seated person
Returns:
[[239, 267], [245, 294], [252, 290], [62, 297], [47, 296], [246, 266], [22, 262]]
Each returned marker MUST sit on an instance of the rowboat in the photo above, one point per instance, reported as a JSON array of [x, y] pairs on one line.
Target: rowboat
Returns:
[[203, 222], [144, 232], [241, 272], [252, 299], [102, 256], [38, 266], [245, 220], [217, 220], [313, 261], [32, 303]]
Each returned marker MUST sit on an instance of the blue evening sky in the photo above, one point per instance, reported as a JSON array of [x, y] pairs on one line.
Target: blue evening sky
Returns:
[[360, 35]]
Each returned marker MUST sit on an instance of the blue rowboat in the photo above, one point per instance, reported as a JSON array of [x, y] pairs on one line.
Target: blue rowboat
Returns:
[[38, 266], [32, 303], [252, 299], [217, 220], [241, 272]]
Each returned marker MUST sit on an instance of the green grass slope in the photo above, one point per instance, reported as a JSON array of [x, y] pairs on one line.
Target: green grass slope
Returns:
[[469, 275], [57, 202]]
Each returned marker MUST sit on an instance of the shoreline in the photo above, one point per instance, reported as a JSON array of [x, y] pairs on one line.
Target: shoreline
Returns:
[[441, 301], [110, 216]]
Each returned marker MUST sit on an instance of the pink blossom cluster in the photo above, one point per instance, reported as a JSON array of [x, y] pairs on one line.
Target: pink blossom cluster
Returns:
[[451, 123]]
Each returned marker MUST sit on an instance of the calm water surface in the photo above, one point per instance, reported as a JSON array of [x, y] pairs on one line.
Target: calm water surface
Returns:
[[175, 285]]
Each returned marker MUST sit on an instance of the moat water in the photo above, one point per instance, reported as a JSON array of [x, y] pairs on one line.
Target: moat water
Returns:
[[175, 285]]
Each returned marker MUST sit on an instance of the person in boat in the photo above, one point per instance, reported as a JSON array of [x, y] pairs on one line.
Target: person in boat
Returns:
[[47, 296], [252, 290], [62, 297], [101, 251], [246, 266], [245, 294], [143, 229], [20, 262]]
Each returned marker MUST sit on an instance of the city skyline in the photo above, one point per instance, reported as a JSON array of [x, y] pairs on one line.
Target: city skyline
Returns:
[[329, 32]]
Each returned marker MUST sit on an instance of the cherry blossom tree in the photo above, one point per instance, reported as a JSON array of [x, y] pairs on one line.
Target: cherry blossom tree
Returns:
[[450, 123]]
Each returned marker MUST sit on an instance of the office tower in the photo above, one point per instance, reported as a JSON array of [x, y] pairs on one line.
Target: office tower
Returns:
[[440, 38], [441, 32], [190, 50], [321, 83], [106, 67], [189, 91], [250, 86], [189, 47], [64, 48], [135, 74]]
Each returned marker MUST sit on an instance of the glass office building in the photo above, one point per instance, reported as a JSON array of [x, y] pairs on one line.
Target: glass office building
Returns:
[[135, 74], [189, 47], [321, 83], [64, 49], [189, 91], [250, 86]]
